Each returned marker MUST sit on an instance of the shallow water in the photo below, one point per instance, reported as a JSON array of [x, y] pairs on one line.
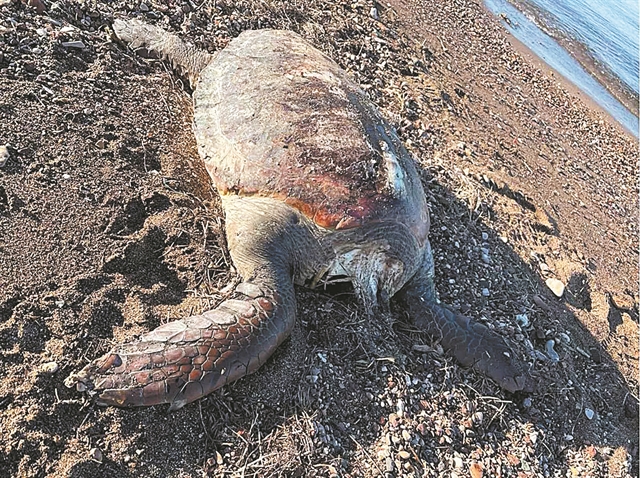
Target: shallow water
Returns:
[[609, 29], [550, 51]]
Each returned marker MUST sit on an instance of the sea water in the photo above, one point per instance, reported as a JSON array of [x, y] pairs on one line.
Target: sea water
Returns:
[[607, 31]]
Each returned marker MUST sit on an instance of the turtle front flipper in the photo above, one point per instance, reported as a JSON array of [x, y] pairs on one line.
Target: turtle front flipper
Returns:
[[184, 360], [470, 342]]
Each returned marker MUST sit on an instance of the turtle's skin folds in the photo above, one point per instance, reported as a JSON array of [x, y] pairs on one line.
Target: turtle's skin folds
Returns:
[[314, 184]]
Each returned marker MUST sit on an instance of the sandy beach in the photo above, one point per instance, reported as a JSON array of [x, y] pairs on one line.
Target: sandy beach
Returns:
[[109, 227]]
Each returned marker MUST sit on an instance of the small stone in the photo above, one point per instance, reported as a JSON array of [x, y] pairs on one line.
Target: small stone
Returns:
[[74, 44], [551, 353], [66, 176], [457, 462], [393, 420], [389, 465], [404, 455], [526, 403], [568, 437], [477, 418], [485, 292], [556, 286], [589, 413], [476, 470], [485, 236], [522, 320], [144, 7], [406, 435], [49, 368], [4, 155], [373, 13], [96, 455]]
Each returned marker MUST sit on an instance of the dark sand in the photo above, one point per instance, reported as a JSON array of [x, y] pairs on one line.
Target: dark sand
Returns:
[[109, 227]]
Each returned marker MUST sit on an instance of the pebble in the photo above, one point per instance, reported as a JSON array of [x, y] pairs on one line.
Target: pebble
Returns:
[[485, 255], [404, 455], [485, 236], [522, 320], [74, 44], [485, 292], [478, 418], [551, 353], [556, 286], [144, 7], [589, 413], [96, 455], [373, 13], [476, 470], [49, 368], [526, 403], [4, 155], [389, 465]]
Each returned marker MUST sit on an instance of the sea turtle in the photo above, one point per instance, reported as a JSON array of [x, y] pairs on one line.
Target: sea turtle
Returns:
[[315, 185]]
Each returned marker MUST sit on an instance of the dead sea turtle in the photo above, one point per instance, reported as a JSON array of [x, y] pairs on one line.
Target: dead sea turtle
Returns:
[[315, 185]]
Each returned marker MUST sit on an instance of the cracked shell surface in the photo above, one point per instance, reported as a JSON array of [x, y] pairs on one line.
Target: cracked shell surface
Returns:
[[275, 117]]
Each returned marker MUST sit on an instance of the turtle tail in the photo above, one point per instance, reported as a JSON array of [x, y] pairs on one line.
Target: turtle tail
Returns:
[[183, 57]]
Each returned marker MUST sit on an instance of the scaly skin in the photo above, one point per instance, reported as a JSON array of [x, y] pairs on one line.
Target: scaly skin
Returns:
[[313, 182], [471, 343], [184, 360]]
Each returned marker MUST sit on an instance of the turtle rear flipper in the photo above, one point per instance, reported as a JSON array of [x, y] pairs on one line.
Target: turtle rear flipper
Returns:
[[182, 56], [471, 343], [184, 360]]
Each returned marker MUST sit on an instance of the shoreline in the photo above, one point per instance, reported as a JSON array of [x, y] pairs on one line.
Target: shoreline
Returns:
[[566, 83], [579, 51], [573, 66]]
